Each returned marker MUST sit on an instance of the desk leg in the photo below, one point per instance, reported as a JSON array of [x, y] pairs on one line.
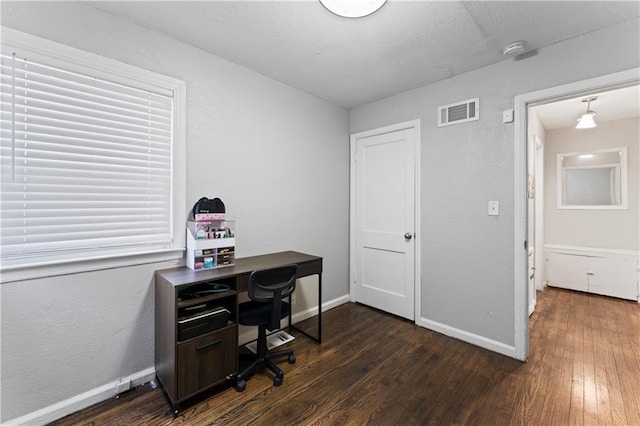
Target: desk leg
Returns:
[[319, 337]]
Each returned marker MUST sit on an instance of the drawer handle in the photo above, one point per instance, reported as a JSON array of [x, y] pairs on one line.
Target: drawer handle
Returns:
[[206, 345]]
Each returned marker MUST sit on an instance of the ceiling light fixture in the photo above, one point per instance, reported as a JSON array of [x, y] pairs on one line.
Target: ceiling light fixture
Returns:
[[353, 8], [586, 121]]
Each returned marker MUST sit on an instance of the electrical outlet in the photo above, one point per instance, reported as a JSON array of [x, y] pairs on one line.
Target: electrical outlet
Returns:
[[123, 386]]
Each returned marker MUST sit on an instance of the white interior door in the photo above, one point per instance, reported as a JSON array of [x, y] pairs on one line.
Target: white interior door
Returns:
[[385, 227]]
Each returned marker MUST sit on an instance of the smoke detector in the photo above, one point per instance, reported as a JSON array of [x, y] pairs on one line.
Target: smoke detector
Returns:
[[514, 49]]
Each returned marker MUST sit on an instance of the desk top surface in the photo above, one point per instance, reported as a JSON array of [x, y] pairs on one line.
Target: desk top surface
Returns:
[[244, 265]]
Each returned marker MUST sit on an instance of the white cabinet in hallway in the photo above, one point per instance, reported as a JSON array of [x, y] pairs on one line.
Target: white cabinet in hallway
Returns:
[[567, 271], [600, 271]]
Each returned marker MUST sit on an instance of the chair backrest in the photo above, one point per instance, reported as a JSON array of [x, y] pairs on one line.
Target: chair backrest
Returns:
[[271, 286]]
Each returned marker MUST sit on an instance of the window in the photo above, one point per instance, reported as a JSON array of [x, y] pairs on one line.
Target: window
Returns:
[[87, 150]]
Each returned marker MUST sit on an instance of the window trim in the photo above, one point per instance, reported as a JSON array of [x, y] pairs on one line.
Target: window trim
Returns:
[[107, 66]]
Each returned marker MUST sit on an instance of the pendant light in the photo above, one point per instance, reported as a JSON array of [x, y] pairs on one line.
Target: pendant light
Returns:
[[586, 121], [353, 8]]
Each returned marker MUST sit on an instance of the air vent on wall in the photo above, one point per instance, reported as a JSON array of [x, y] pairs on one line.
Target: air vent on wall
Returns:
[[460, 112]]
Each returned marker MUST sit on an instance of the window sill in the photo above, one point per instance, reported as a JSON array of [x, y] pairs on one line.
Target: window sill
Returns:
[[51, 269]]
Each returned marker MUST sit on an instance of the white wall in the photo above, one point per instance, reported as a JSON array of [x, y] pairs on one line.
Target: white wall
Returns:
[[467, 256], [278, 157], [614, 229]]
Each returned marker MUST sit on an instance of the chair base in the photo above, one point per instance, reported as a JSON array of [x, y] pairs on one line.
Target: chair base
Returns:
[[264, 362]]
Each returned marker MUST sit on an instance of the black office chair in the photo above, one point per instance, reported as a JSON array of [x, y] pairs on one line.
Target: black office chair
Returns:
[[267, 288]]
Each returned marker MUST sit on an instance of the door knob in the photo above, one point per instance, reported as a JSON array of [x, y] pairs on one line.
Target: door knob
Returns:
[[408, 236]]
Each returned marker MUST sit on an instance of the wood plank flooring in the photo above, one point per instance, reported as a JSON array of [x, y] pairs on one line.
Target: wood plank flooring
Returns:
[[373, 368]]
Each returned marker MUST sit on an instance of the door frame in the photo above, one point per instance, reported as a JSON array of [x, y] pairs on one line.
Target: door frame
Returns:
[[538, 211], [522, 102], [406, 125]]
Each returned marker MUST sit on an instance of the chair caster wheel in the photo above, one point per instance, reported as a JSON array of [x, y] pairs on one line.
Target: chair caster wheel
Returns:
[[277, 381], [240, 385], [292, 359]]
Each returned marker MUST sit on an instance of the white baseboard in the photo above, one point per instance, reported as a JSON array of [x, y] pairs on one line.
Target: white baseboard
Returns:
[[326, 306], [308, 313], [465, 336], [79, 402]]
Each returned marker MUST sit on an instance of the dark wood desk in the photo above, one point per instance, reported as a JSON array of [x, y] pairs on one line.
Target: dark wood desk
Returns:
[[191, 366], [307, 265]]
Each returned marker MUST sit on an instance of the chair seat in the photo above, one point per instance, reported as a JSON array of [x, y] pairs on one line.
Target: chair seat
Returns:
[[256, 313]]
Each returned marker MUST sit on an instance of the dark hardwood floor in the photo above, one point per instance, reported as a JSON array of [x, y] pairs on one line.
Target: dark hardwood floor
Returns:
[[373, 368]]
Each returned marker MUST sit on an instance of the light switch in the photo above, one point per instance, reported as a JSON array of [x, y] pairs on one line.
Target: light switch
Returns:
[[507, 116], [494, 208]]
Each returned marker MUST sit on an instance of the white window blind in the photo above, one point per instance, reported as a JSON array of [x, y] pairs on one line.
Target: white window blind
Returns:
[[86, 162]]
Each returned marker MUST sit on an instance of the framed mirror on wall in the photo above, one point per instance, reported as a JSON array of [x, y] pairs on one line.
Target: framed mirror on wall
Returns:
[[593, 179]]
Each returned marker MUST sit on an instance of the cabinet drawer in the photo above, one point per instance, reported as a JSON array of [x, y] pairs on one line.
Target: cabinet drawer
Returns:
[[309, 268], [567, 271], [203, 320], [205, 361]]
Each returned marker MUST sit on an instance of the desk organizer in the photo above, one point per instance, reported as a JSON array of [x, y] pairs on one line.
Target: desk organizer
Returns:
[[210, 244]]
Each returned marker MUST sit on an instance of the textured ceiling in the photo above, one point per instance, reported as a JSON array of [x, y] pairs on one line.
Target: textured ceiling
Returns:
[[407, 44]]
